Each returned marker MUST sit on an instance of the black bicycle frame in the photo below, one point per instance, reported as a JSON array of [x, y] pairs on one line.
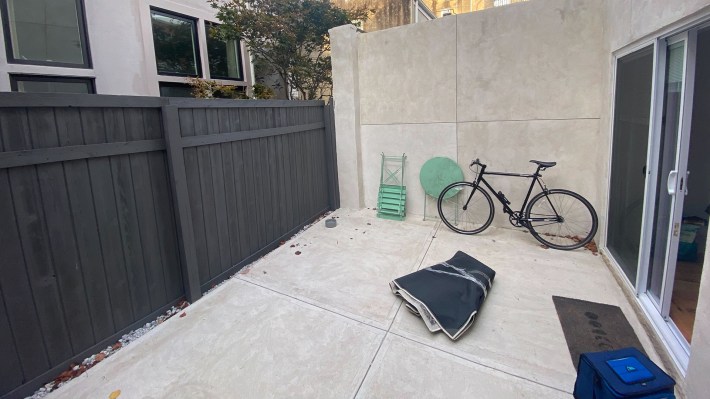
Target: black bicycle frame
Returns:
[[504, 201]]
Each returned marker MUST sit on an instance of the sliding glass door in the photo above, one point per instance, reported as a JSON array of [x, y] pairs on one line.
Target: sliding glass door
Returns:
[[632, 113], [670, 176], [653, 111]]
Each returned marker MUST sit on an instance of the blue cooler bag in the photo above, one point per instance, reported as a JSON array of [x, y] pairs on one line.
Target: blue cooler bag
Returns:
[[624, 373]]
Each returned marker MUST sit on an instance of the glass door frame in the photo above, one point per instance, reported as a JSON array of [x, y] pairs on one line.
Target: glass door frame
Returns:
[[657, 311], [663, 325], [681, 162]]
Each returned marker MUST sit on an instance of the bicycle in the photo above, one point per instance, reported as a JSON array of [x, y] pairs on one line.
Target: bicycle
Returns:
[[559, 219]]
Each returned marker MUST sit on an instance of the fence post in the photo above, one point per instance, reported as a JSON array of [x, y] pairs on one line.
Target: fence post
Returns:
[[181, 201], [331, 157]]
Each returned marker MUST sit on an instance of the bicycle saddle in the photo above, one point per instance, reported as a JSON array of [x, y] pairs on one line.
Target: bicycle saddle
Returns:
[[544, 164]]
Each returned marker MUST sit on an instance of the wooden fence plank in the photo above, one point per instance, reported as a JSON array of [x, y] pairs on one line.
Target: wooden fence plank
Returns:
[[62, 237], [230, 191], [173, 136], [10, 368], [265, 178], [16, 290], [218, 191], [145, 211], [207, 190], [236, 124], [29, 212], [34, 237], [243, 214], [127, 216], [243, 104], [253, 210], [101, 180], [48, 155], [165, 210], [83, 214], [279, 175], [27, 100], [192, 170], [293, 171]]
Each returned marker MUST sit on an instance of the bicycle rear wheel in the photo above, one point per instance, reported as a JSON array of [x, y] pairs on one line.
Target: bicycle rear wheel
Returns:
[[561, 219], [471, 218]]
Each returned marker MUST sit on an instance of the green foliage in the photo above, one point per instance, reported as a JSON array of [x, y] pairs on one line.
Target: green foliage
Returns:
[[291, 36], [262, 92], [205, 88]]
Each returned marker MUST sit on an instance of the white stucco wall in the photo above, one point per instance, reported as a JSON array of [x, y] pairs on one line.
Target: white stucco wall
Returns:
[[121, 45]]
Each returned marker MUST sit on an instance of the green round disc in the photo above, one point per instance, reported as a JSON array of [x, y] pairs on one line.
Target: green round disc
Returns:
[[437, 173]]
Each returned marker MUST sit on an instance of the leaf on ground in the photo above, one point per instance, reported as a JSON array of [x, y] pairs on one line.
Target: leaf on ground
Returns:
[[101, 356], [298, 252], [183, 314], [115, 394]]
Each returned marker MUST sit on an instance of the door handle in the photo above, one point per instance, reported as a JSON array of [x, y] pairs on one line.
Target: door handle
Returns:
[[672, 182]]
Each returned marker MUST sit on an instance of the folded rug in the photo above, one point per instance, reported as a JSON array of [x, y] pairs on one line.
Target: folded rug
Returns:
[[446, 296]]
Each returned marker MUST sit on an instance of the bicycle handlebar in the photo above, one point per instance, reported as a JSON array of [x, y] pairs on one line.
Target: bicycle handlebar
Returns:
[[476, 162]]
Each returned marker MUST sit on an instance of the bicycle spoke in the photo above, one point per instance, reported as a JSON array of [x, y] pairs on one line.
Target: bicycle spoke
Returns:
[[474, 218], [577, 222]]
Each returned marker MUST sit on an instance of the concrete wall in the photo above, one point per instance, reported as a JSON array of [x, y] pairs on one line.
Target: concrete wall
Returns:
[[121, 44], [505, 85]]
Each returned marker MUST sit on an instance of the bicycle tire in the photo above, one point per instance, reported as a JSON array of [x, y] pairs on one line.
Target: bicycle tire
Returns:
[[577, 228], [462, 218]]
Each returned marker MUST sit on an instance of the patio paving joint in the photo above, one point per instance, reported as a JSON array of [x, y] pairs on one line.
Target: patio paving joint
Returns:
[[387, 332], [309, 303]]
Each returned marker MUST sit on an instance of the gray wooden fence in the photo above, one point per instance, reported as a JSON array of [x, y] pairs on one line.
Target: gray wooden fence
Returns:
[[112, 209]]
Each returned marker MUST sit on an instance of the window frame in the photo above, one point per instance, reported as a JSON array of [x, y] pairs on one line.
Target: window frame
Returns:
[[162, 84], [14, 77], [210, 24], [195, 40], [83, 37]]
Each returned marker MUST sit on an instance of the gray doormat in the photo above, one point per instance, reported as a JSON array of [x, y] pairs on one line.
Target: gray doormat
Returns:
[[593, 327]]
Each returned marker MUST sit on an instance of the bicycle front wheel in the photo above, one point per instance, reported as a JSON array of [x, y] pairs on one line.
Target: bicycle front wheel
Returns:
[[561, 219], [465, 213]]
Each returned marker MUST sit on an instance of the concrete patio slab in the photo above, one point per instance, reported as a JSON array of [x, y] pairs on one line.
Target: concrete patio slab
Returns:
[[324, 324], [406, 369], [517, 330], [239, 341], [347, 268]]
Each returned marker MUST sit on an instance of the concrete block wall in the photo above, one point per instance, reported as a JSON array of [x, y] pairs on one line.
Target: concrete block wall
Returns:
[[505, 85]]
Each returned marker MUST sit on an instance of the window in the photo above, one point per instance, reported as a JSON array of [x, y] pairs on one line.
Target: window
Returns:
[[51, 84], [225, 58], [175, 90], [175, 39], [45, 32]]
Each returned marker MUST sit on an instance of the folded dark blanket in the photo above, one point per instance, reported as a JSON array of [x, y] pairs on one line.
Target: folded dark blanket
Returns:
[[448, 295]]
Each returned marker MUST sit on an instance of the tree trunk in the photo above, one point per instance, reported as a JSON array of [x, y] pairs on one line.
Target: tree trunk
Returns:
[[287, 88]]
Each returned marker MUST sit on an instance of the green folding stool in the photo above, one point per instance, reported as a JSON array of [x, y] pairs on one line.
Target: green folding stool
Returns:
[[392, 196]]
